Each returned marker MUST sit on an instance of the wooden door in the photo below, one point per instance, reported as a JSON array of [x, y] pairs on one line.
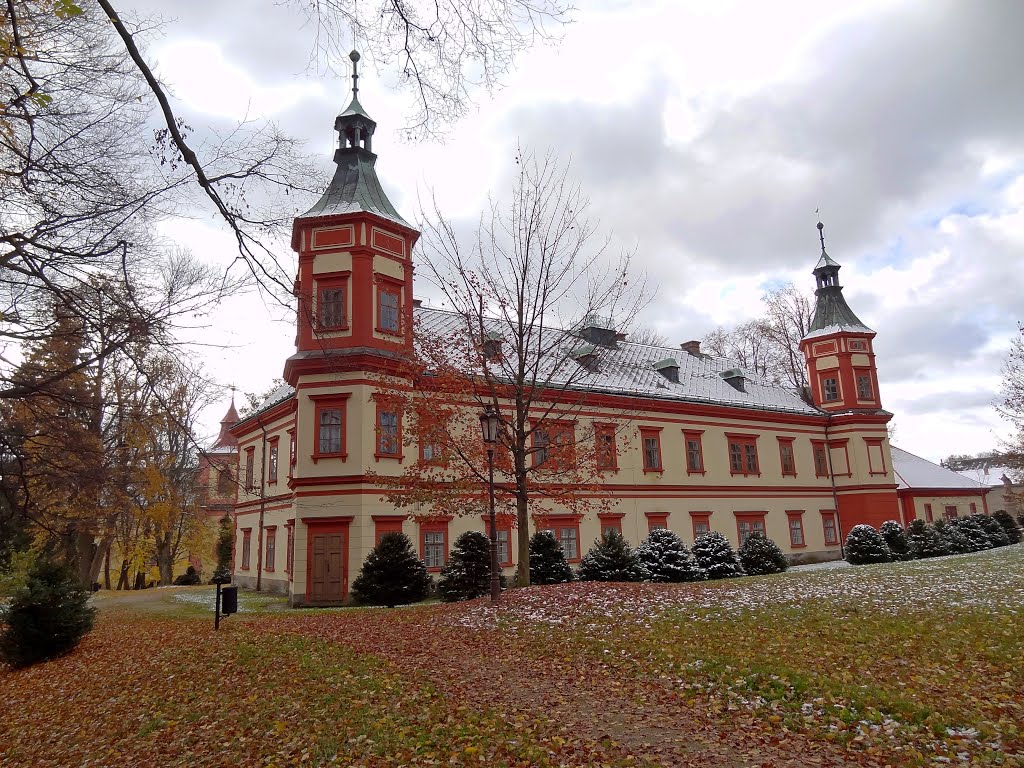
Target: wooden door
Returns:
[[328, 581]]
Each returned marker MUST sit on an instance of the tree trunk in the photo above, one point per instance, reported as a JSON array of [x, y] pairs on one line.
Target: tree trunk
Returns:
[[163, 559], [523, 522], [96, 561], [122, 581], [106, 570]]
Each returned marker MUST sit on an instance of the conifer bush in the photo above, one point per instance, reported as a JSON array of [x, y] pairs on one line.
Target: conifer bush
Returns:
[[468, 573], [610, 559], [189, 578], [1005, 519], [896, 539], [715, 556], [225, 548], [547, 561], [760, 555], [955, 542], [392, 574], [995, 532], [925, 541], [977, 539], [46, 617], [865, 545], [664, 558]]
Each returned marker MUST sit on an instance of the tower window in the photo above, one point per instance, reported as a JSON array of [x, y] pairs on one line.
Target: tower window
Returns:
[[387, 308], [864, 389], [831, 388], [330, 431], [387, 433], [332, 308]]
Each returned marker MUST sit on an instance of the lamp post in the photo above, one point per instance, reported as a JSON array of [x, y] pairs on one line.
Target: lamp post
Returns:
[[489, 421]]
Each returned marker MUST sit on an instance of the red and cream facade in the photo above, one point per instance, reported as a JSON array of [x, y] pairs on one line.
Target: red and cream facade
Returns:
[[309, 511]]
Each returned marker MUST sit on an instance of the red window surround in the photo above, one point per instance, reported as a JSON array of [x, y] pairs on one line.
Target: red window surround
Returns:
[[701, 522], [870, 443], [324, 428], [650, 448], [567, 531], [331, 301], [554, 444], [795, 518], [743, 454], [974, 508], [820, 453], [865, 385], [289, 563], [272, 459], [389, 305], [605, 450], [434, 542], [693, 444], [787, 457], [656, 520], [831, 390], [384, 524], [388, 440], [610, 522], [950, 511], [830, 527], [292, 451], [928, 513], [270, 536], [250, 461], [845, 445], [748, 523], [505, 540], [246, 546]]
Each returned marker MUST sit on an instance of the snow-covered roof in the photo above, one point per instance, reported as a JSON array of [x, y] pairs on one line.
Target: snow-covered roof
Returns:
[[914, 472], [839, 328], [990, 476]]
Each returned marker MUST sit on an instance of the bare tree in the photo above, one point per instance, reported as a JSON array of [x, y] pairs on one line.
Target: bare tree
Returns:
[[1012, 406], [529, 291]]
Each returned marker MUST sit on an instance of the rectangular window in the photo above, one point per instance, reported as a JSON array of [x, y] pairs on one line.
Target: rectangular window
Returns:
[[250, 460], [656, 520], [701, 523], [387, 433], [384, 525], [331, 304], [820, 459], [651, 446], [746, 524], [858, 345], [610, 523], [272, 464], [554, 445], [743, 454], [430, 453], [950, 512], [786, 456], [796, 529], [330, 431], [568, 537], [388, 310], [271, 548], [830, 387], [290, 556], [433, 549], [928, 513], [292, 452], [504, 550], [828, 525], [864, 389], [606, 455], [246, 546], [694, 453], [974, 508]]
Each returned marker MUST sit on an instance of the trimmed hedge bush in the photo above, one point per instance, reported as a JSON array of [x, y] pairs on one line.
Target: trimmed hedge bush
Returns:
[[664, 558], [995, 532], [715, 556], [468, 573], [896, 539], [760, 555], [610, 559], [547, 561], [865, 545], [1005, 519], [392, 574]]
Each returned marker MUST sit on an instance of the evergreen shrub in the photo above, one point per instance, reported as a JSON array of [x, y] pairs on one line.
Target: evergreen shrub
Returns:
[[865, 545], [715, 556], [1005, 519], [468, 573], [995, 532], [547, 561], [760, 555], [896, 539], [610, 559], [925, 541], [977, 539], [225, 547], [955, 542], [46, 617], [392, 574], [189, 578], [663, 557]]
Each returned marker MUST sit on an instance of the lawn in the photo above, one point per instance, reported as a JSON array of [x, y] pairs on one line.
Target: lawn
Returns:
[[904, 664]]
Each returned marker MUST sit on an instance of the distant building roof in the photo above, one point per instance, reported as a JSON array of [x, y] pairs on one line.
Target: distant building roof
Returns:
[[225, 440], [914, 472]]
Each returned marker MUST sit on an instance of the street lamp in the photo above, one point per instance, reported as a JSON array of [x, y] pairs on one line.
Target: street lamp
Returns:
[[489, 421]]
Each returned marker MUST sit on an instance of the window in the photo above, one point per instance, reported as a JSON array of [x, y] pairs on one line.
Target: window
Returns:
[[876, 456], [387, 433], [329, 437], [656, 520], [786, 457], [701, 523], [224, 482], [504, 551], [830, 387], [246, 545], [864, 389], [606, 456], [651, 444], [828, 525], [974, 508], [950, 512], [292, 452], [271, 548], [290, 555], [748, 523], [858, 345], [694, 452], [928, 513], [743, 454], [430, 453], [553, 445], [820, 458], [568, 538], [330, 431], [796, 528], [434, 542], [250, 458], [331, 306], [611, 522], [385, 524], [272, 463], [388, 302]]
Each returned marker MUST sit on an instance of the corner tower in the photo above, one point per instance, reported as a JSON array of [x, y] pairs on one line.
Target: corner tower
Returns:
[[354, 284], [838, 348]]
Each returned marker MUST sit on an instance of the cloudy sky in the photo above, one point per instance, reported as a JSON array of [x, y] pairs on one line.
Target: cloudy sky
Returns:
[[706, 134]]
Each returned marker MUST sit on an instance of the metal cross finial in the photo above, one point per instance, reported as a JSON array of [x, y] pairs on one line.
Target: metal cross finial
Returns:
[[821, 234], [355, 72]]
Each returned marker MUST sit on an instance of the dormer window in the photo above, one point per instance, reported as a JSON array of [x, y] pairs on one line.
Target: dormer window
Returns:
[[734, 378], [669, 368], [492, 346], [587, 358]]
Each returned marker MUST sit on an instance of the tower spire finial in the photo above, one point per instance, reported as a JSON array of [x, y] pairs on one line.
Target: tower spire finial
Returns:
[[355, 73], [821, 234]]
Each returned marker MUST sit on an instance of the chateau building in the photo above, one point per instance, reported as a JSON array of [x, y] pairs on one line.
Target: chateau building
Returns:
[[705, 446]]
